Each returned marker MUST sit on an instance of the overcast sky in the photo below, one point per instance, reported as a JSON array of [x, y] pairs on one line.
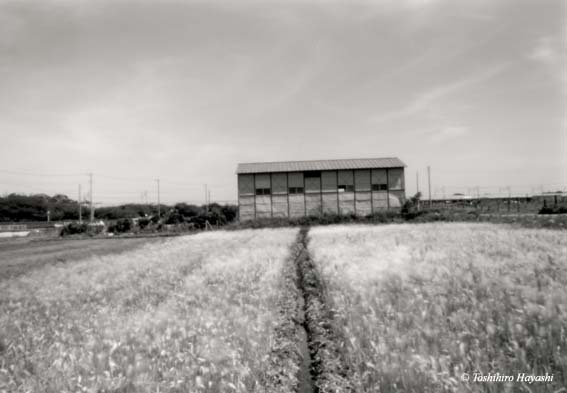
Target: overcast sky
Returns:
[[183, 91]]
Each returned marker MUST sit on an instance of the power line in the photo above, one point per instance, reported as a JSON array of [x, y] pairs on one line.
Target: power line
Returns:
[[41, 174]]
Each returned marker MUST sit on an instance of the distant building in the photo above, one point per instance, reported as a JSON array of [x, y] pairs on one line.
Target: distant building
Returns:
[[313, 188]]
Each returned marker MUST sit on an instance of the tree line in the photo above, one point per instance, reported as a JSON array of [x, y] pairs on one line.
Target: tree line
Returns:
[[37, 207]]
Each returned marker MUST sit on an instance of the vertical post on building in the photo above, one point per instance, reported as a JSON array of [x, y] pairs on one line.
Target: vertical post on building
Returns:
[[238, 196], [271, 198], [321, 190], [254, 189], [354, 189], [338, 196], [387, 189], [287, 193], [80, 207], [304, 196], [371, 193], [429, 184]]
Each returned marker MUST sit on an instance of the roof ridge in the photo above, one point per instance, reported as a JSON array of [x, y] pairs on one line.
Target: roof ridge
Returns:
[[310, 165], [333, 159]]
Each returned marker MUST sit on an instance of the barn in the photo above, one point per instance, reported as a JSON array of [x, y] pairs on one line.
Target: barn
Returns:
[[313, 188]]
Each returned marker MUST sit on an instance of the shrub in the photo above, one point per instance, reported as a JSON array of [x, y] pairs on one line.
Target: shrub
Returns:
[[143, 222], [551, 210], [74, 228], [410, 209], [121, 226], [173, 217]]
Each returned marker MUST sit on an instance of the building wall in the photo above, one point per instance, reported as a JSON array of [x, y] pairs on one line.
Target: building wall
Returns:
[[380, 200], [279, 195], [363, 197], [330, 202], [297, 205], [330, 195], [359, 192], [246, 198], [279, 206]]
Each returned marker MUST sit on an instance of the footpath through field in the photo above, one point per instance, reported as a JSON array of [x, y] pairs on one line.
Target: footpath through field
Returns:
[[307, 354]]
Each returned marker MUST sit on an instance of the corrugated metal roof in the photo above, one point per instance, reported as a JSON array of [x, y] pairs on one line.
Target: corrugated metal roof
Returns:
[[319, 165]]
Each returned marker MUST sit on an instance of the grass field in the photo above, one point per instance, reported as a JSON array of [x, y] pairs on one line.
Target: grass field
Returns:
[[419, 305], [363, 308], [192, 313]]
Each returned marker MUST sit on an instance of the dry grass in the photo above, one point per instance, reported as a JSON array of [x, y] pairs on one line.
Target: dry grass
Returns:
[[195, 314], [420, 305]]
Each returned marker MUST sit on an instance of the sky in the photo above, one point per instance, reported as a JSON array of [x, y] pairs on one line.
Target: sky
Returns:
[[133, 91]]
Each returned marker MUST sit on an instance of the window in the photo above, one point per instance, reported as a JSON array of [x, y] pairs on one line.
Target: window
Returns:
[[296, 190], [262, 191], [312, 174], [379, 187], [346, 188]]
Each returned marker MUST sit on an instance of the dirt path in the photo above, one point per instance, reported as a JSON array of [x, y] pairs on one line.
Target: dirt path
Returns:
[[19, 256], [306, 356]]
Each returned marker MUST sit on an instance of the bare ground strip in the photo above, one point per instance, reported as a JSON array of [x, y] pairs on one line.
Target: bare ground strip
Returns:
[[306, 355]]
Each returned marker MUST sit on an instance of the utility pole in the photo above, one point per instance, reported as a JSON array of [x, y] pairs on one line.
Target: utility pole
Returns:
[[91, 196], [429, 183], [509, 198], [80, 207], [206, 199], [416, 181], [417, 187], [158, 200]]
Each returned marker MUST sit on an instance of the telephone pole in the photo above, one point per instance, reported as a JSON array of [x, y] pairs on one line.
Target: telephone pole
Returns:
[[91, 196], [429, 183], [416, 181], [80, 207], [417, 188], [158, 200], [206, 199]]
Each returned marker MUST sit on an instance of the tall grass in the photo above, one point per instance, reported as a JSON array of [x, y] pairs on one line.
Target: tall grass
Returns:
[[421, 305], [192, 314]]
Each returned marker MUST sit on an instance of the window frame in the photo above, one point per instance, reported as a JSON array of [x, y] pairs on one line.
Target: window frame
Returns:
[[380, 187], [295, 190], [345, 188], [263, 191]]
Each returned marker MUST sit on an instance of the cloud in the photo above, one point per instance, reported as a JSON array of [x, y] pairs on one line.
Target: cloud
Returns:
[[442, 134], [548, 52], [544, 50], [425, 100], [450, 132]]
